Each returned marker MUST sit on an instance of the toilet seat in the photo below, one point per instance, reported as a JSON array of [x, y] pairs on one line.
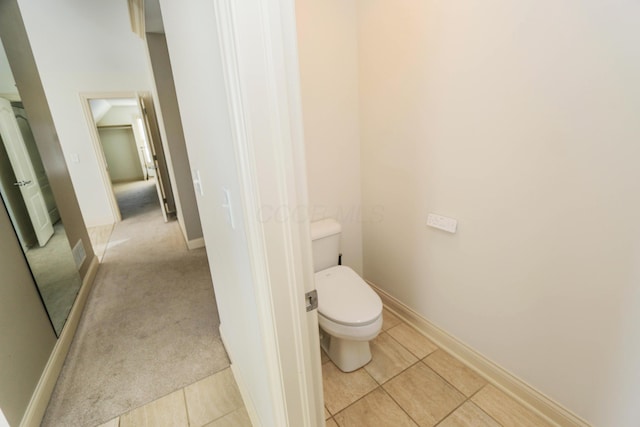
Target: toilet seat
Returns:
[[354, 333], [347, 306]]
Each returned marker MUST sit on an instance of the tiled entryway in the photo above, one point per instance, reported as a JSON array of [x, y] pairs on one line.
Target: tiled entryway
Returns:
[[411, 382], [212, 402]]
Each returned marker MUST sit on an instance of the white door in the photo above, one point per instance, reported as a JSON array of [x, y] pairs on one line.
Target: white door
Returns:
[[153, 144], [26, 177]]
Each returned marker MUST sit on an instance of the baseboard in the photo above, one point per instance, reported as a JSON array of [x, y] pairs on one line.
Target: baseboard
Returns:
[[40, 398], [244, 391], [195, 243], [496, 375], [94, 224]]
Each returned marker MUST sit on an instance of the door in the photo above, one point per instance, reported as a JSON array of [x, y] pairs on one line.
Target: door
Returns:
[[36, 161], [152, 134], [26, 178]]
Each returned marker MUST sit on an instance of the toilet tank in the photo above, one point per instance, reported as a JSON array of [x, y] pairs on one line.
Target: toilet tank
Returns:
[[325, 243]]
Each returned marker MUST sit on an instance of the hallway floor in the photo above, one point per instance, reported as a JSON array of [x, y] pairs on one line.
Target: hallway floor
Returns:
[[411, 382], [150, 326], [212, 402]]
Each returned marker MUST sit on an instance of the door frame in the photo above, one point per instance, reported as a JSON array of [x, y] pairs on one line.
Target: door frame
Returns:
[[269, 145], [85, 97]]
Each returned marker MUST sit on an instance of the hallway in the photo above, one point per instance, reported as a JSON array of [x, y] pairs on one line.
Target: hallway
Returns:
[[150, 326]]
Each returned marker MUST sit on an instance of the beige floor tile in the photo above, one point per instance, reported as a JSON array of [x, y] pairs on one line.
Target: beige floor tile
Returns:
[[505, 410], [237, 418], [212, 397], [455, 372], [341, 389], [389, 358], [169, 411], [331, 423], [413, 340], [99, 237], [327, 415], [375, 409], [389, 320], [468, 415], [113, 423], [425, 396]]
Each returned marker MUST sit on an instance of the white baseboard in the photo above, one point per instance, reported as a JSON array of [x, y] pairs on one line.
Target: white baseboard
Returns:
[[195, 243], [244, 391], [100, 223], [496, 375], [40, 398]]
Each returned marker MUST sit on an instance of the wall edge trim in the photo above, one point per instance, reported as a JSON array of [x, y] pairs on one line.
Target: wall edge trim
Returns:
[[244, 391], [195, 243], [42, 394], [513, 386]]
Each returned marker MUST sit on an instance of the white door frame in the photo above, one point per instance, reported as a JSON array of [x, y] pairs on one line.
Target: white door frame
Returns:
[[85, 97], [266, 116]]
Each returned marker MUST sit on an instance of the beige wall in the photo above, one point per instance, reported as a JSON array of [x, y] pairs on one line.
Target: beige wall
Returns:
[[520, 119], [327, 41], [164, 97], [26, 335], [121, 154]]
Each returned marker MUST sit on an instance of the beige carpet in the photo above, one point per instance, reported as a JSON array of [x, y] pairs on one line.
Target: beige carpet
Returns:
[[150, 326], [56, 275]]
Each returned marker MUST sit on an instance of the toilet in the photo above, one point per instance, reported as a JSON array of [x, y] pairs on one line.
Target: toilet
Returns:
[[349, 311]]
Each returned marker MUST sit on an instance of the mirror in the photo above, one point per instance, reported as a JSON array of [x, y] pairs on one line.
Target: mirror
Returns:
[[27, 197]]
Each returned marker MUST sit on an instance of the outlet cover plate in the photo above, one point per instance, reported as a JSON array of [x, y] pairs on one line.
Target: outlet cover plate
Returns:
[[442, 222]]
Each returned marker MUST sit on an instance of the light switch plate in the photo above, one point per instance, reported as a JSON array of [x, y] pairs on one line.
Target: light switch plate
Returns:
[[442, 222]]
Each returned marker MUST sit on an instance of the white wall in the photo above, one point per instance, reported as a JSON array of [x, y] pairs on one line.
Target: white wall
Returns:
[[520, 119], [7, 84], [327, 41], [119, 115], [84, 47], [194, 50], [166, 106]]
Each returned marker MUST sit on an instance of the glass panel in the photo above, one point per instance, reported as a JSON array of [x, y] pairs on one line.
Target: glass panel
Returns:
[[28, 198]]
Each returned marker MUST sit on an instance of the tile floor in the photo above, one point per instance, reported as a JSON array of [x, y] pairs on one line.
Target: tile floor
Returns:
[[212, 402], [411, 382]]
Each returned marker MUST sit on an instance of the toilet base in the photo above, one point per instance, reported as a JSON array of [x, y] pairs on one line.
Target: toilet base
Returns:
[[347, 355]]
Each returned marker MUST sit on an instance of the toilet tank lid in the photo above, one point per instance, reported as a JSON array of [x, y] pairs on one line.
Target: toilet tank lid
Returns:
[[324, 228]]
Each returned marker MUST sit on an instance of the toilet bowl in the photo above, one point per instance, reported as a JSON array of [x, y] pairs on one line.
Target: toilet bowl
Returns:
[[349, 311]]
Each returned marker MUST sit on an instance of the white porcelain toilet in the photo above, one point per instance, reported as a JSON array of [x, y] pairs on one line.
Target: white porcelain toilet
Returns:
[[349, 311]]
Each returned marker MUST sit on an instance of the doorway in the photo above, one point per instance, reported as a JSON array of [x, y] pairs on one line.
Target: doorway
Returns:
[[127, 143]]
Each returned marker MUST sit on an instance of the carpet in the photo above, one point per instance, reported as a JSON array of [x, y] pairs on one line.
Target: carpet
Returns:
[[56, 275], [150, 325]]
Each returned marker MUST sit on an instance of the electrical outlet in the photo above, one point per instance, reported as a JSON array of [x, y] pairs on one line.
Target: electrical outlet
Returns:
[[442, 222], [79, 254]]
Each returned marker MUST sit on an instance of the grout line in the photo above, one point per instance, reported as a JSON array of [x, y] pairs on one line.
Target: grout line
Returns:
[[419, 360], [186, 405], [354, 402], [454, 387], [452, 411], [480, 407], [400, 406]]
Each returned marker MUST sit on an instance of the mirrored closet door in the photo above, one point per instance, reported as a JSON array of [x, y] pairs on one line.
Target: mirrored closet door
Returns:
[[27, 197]]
